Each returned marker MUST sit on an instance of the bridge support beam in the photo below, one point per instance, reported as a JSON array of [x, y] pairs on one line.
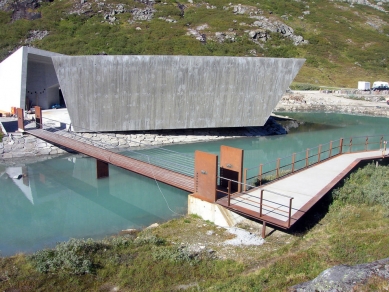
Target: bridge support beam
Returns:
[[20, 114], [38, 117], [102, 169]]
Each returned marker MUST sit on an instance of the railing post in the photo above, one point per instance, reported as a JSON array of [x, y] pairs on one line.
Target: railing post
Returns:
[[293, 161], [341, 146], [278, 168], [229, 192], [263, 229], [307, 158], [260, 173], [350, 145], [366, 143], [318, 154], [260, 204], [290, 210], [330, 153], [244, 179]]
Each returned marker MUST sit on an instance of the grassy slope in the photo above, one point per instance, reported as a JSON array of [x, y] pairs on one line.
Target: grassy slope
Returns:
[[343, 48], [349, 233]]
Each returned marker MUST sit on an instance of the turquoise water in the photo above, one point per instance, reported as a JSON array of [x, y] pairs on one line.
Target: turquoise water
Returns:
[[60, 198]]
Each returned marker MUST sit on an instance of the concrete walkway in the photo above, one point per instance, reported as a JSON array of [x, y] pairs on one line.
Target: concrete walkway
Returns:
[[306, 187]]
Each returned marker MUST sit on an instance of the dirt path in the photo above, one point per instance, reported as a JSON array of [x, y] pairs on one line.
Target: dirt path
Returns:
[[368, 104]]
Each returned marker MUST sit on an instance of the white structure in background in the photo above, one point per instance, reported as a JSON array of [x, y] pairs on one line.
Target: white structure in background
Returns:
[[363, 85], [380, 84]]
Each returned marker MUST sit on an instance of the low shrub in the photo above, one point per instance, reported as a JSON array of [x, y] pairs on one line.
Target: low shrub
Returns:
[[149, 239], [368, 185], [304, 86], [182, 254], [72, 257]]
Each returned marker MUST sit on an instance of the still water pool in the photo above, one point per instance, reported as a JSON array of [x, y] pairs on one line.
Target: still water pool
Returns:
[[60, 198]]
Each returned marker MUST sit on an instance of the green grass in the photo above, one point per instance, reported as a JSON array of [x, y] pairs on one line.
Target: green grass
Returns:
[[352, 231]]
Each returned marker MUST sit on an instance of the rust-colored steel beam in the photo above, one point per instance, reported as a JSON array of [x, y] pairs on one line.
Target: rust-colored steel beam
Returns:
[[205, 176], [38, 117], [231, 166], [20, 114]]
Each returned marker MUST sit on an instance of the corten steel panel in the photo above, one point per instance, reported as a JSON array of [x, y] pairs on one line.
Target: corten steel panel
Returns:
[[20, 114], [102, 169], [121, 93], [231, 166], [205, 176], [38, 117]]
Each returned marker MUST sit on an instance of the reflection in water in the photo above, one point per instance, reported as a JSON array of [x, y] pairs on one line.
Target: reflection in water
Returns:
[[46, 202], [60, 198]]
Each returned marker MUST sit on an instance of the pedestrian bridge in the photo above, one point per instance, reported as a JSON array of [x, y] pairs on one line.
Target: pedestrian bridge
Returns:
[[277, 192]]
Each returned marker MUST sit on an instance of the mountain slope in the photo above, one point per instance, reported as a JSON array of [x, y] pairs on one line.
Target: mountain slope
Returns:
[[342, 42]]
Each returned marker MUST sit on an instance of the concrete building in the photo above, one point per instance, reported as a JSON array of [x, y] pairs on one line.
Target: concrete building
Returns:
[[27, 77], [121, 93]]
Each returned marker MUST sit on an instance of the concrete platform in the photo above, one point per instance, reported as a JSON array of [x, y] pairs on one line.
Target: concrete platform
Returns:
[[305, 188]]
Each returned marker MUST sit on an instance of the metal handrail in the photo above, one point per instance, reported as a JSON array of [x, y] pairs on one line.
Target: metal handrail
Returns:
[[322, 154]]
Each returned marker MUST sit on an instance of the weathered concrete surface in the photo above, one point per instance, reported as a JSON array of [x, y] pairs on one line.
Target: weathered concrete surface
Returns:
[[345, 278], [120, 93]]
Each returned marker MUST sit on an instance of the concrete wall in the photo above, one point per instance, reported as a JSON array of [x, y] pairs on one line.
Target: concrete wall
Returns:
[[42, 84], [119, 93], [11, 81], [24, 72]]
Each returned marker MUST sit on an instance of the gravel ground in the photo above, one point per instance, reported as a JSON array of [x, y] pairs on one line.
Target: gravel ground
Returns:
[[367, 104]]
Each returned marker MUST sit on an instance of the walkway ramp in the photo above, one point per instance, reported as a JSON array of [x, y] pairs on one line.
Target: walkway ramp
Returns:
[[302, 189], [166, 176]]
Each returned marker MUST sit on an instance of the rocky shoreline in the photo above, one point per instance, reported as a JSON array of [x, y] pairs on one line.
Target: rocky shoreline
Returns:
[[18, 145], [365, 103]]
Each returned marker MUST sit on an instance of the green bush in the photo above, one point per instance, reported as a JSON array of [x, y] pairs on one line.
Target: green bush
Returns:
[[368, 185], [149, 239], [72, 257], [181, 254], [304, 86]]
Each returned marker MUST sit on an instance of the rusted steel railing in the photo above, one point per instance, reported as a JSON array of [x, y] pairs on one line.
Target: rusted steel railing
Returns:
[[269, 204], [297, 161]]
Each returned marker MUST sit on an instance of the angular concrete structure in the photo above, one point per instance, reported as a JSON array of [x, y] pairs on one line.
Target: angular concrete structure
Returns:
[[28, 77], [120, 93]]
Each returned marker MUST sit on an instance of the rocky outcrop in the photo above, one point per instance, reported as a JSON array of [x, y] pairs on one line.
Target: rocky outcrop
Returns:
[[345, 278], [34, 35], [266, 26], [376, 4], [22, 9]]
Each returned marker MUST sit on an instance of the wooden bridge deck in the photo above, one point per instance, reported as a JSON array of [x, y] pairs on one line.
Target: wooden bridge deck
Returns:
[[306, 187], [166, 176]]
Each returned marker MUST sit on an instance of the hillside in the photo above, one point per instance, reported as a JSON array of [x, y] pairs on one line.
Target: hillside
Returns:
[[342, 42]]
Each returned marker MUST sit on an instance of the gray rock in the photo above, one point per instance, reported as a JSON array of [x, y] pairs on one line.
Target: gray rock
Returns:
[[345, 278]]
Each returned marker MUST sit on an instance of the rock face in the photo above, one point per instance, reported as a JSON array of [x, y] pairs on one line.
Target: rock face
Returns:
[[22, 9], [345, 278]]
